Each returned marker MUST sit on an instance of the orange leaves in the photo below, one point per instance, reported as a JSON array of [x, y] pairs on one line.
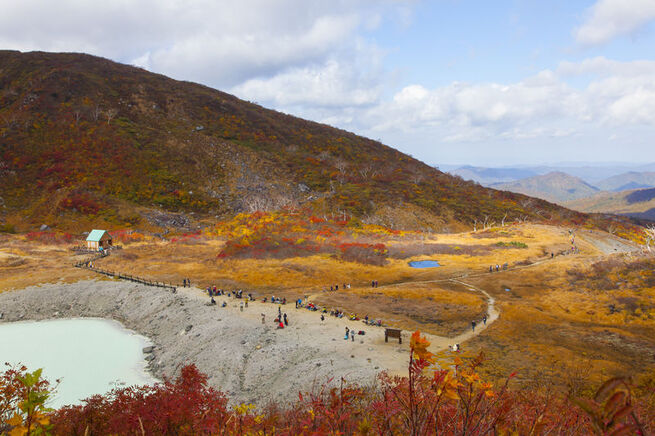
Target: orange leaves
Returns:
[[419, 346], [609, 408]]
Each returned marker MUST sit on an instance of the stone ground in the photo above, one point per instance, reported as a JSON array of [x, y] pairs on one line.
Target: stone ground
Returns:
[[251, 361]]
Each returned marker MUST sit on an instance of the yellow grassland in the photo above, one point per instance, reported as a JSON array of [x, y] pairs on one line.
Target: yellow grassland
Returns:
[[548, 328]]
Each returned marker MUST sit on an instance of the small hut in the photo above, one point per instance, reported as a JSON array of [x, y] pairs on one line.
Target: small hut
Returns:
[[98, 239]]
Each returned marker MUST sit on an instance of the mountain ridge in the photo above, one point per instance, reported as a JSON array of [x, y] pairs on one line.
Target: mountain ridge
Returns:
[[555, 186], [83, 136]]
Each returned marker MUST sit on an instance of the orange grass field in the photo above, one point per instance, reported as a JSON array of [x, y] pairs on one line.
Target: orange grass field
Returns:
[[555, 323]]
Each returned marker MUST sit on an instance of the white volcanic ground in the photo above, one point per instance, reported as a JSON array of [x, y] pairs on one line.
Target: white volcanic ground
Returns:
[[251, 361]]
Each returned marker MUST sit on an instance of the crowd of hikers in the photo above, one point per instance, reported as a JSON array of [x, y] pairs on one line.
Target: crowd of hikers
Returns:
[[282, 320]]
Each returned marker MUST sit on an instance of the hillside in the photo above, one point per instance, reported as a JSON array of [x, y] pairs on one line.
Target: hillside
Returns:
[[628, 181], [638, 203], [557, 187], [84, 139]]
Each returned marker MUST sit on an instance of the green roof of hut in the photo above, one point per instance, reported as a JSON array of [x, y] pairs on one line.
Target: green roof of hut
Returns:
[[96, 235]]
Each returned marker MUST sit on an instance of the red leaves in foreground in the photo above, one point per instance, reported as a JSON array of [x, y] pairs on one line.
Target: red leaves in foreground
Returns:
[[186, 406], [429, 401]]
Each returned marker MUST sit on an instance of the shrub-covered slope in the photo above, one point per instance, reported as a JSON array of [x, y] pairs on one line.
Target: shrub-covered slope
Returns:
[[82, 135]]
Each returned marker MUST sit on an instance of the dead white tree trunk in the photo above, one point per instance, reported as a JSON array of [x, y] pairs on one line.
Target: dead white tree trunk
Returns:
[[110, 113], [650, 235], [341, 165], [96, 112], [365, 171]]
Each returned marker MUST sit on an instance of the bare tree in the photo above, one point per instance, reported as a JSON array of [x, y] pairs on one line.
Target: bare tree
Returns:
[[110, 113], [475, 225], [486, 223], [502, 222], [650, 235], [416, 178], [341, 165], [365, 171], [611, 229], [525, 204], [97, 111]]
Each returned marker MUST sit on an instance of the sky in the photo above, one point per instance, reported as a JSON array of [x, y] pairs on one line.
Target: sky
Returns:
[[481, 82]]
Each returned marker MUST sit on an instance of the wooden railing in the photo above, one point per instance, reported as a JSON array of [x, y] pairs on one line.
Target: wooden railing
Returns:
[[88, 264], [80, 249]]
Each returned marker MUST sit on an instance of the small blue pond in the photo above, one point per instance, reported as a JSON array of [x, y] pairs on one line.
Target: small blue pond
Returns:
[[424, 264]]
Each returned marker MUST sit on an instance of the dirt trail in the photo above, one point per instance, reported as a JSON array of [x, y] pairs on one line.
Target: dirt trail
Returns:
[[606, 243]]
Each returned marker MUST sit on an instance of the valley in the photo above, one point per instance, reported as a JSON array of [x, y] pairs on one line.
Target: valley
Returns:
[[550, 311]]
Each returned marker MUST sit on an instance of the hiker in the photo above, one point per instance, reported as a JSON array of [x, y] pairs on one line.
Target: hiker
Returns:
[[484, 320], [322, 317], [263, 319], [352, 335], [246, 303], [241, 306], [497, 267], [188, 282], [279, 312], [473, 324], [184, 283], [491, 269], [347, 333], [552, 255], [372, 283], [280, 325], [213, 301], [224, 304], [286, 321]]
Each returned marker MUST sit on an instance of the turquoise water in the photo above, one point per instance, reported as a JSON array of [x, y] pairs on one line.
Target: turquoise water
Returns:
[[424, 264], [89, 355]]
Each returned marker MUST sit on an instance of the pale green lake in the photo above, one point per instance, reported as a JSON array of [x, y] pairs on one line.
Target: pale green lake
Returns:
[[89, 355]]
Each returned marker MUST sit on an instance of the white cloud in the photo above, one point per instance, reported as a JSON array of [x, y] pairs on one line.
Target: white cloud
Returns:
[[219, 43], [349, 78], [606, 67], [541, 108], [607, 19]]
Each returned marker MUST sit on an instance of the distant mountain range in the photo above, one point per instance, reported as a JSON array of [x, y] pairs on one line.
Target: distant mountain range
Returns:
[[597, 176], [627, 181], [630, 193], [556, 187], [639, 203]]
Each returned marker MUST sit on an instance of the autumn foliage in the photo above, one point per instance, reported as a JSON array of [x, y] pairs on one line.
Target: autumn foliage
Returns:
[[92, 133], [429, 401], [283, 234]]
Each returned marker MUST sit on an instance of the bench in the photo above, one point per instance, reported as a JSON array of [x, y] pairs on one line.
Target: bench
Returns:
[[392, 333]]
